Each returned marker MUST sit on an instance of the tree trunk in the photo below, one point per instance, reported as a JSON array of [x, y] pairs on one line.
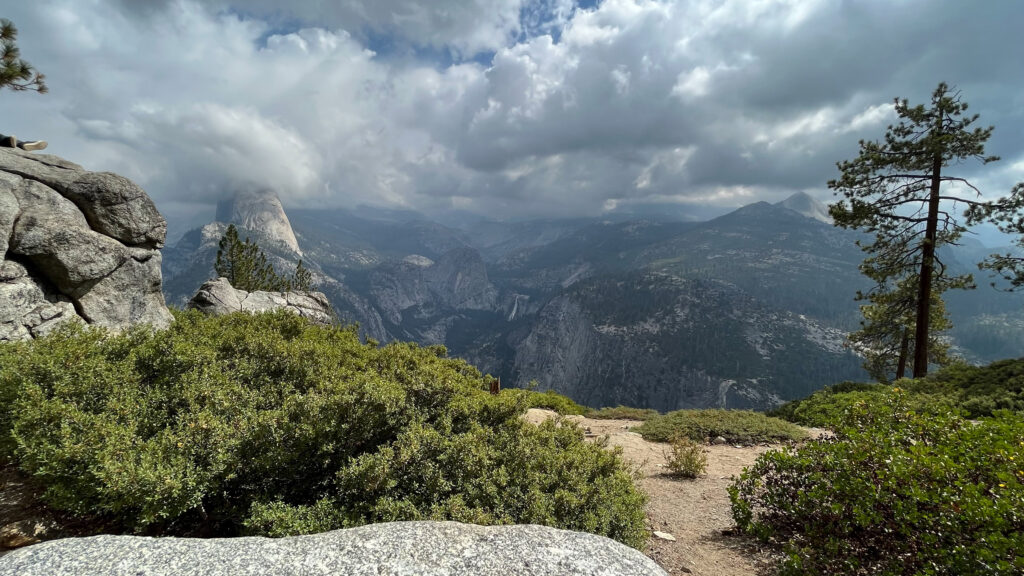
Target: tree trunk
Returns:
[[924, 295], [901, 366]]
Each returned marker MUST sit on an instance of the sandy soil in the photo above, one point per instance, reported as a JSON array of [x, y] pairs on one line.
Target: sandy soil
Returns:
[[695, 512]]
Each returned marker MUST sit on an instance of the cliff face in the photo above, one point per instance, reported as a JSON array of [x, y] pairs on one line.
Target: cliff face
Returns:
[[805, 205], [75, 245], [667, 343], [364, 267], [421, 298], [260, 211]]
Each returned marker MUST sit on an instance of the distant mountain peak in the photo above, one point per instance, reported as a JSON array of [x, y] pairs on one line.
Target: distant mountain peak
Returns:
[[807, 205], [259, 211]]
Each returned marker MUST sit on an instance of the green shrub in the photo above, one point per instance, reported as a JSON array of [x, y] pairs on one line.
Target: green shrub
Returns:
[[975, 390], [826, 407], [623, 413], [686, 458], [736, 426], [983, 390], [268, 425], [548, 399], [896, 492]]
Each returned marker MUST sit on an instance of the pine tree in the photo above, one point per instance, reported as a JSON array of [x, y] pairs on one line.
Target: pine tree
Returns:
[[886, 337], [15, 73], [894, 190], [302, 279], [888, 330], [1008, 215], [246, 267]]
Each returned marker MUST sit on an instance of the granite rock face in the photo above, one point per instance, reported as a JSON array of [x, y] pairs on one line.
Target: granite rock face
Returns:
[[75, 245], [219, 297], [399, 548], [259, 210]]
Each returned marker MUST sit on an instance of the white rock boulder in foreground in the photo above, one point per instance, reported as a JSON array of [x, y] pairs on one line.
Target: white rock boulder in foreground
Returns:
[[398, 548]]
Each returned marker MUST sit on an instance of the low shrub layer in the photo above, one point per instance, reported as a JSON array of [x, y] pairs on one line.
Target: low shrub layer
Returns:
[[548, 399], [623, 413], [975, 391], [736, 426], [896, 493], [982, 390], [268, 425]]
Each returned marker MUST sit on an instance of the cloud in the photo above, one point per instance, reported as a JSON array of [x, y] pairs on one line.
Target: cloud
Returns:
[[463, 27], [506, 108]]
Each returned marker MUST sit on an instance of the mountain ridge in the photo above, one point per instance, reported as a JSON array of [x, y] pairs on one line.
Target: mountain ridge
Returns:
[[527, 301]]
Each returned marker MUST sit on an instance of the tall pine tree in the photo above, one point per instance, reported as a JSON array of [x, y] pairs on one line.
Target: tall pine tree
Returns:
[[896, 189]]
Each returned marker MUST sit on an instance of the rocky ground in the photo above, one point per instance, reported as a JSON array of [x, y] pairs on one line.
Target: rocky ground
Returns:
[[695, 514], [692, 517]]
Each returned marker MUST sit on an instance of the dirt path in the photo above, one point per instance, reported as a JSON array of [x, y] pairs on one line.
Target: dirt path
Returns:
[[694, 512]]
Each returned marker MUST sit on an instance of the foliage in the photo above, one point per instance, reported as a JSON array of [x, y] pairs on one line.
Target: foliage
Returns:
[[827, 407], [549, 399], [686, 458], [896, 492], [736, 426], [1007, 215], [975, 391], [887, 331], [15, 73], [246, 267], [981, 391], [623, 413], [266, 424], [302, 279], [893, 190]]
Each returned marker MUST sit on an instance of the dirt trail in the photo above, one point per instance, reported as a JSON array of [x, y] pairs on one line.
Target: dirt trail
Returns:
[[694, 512]]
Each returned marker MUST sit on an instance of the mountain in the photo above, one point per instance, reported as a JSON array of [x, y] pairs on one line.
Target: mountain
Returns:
[[805, 205], [745, 310], [666, 342], [259, 210], [779, 256]]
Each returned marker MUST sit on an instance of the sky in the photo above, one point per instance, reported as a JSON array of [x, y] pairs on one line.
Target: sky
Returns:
[[503, 108]]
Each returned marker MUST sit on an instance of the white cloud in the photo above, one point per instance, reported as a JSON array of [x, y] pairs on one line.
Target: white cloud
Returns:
[[628, 102], [871, 117]]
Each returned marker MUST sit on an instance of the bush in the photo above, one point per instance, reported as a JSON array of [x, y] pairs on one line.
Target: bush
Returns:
[[981, 391], [975, 390], [623, 413], [265, 424], [736, 426], [896, 492], [549, 400], [826, 407], [686, 458]]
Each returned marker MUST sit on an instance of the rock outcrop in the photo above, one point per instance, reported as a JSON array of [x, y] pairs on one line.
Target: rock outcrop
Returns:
[[259, 210], [399, 548], [75, 245], [219, 297], [804, 204]]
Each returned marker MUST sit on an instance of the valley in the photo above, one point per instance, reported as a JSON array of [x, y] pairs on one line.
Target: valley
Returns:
[[746, 310]]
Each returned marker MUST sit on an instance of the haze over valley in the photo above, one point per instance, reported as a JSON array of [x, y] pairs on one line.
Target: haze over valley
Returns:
[[742, 311]]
